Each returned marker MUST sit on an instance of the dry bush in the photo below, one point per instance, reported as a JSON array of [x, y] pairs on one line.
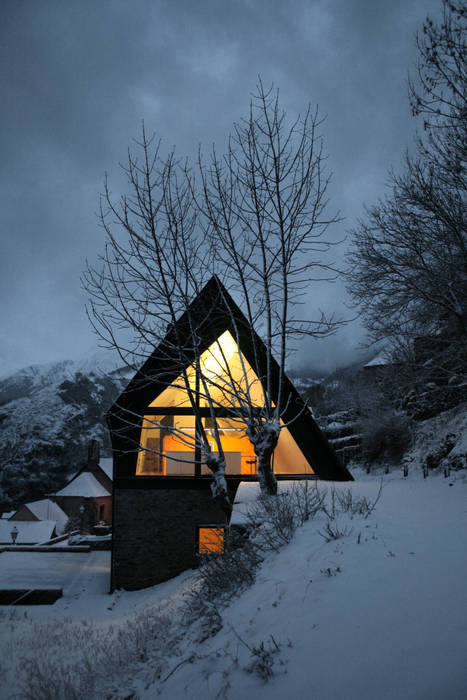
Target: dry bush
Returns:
[[271, 521], [274, 519], [356, 505], [332, 531], [386, 434], [262, 659], [83, 660], [220, 578], [222, 575]]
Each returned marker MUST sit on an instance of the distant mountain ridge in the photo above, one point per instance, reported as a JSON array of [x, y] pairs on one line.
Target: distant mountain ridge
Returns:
[[48, 415]]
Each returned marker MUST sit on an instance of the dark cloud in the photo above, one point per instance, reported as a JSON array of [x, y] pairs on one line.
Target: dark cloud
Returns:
[[78, 77]]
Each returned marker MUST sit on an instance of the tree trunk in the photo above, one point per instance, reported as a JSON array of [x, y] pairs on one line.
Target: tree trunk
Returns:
[[219, 485], [267, 480], [264, 442]]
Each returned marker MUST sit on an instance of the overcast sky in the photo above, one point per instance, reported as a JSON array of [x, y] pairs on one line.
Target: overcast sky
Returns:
[[78, 76]]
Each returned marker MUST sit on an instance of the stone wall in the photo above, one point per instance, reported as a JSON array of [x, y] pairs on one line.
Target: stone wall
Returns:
[[155, 533]]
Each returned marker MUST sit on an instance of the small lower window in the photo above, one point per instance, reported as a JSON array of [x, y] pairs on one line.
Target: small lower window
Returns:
[[211, 540]]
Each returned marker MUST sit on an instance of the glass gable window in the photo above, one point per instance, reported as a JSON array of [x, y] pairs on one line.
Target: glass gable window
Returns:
[[226, 372], [167, 442], [167, 446]]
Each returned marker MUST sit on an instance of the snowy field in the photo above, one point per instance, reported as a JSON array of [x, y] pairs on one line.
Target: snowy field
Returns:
[[379, 613]]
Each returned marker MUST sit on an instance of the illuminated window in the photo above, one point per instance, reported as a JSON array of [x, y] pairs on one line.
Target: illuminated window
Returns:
[[168, 442], [151, 462], [211, 540], [221, 364]]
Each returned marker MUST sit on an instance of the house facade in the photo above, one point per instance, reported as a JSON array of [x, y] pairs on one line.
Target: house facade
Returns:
[[164, 513], [87, 497]]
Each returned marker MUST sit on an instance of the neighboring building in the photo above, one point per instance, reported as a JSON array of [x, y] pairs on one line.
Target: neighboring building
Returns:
[[382, 359], [86, 500], [379, 367], [89, 489], [44, 510], [164, 514]]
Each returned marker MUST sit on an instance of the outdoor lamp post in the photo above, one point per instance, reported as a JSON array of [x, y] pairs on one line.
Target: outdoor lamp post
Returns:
[[81, 513], [14, 534]]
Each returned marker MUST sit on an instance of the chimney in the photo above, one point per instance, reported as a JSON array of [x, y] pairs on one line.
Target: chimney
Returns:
[[93, 452]]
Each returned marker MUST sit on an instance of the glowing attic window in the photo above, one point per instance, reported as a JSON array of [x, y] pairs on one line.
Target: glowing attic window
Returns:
[[211, 540], [226, 372]]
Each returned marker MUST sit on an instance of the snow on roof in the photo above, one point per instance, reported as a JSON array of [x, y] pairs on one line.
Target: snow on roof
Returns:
[[249, 491], [6, 516], [48, 510], [106, 464], [29, 532], [381, 359], [85, 485]]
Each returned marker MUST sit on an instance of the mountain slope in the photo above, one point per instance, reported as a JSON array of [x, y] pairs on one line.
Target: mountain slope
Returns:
[[48, 414]]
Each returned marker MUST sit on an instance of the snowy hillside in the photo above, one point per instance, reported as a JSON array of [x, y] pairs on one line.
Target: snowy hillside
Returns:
[[48, 414], [377, 613], [365, 600]]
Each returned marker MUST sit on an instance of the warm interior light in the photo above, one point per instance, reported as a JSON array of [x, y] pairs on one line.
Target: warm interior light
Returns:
[[224, 351], [167, 452], [211, 540], [214, 359]]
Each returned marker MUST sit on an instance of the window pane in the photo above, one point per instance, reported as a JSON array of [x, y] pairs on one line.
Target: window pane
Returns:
[[211, 540]]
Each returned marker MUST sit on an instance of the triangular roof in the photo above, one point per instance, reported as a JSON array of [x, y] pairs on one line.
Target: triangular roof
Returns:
[[101, 471], [84, 485], [45, 509], [214, 312]]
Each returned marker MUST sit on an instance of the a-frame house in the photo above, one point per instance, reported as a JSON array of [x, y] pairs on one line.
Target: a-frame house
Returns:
[[163, 510]]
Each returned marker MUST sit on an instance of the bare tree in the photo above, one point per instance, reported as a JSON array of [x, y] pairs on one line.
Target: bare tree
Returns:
[[146, 283], [261, 210], [263, 207], [438, 92], [408, 265]]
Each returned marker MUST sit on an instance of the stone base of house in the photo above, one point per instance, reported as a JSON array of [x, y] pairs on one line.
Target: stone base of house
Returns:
[[156, 532]]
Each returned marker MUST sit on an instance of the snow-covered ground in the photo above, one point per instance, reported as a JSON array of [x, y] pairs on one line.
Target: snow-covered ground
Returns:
[[379, 613], [386, 618], [74, 572]]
